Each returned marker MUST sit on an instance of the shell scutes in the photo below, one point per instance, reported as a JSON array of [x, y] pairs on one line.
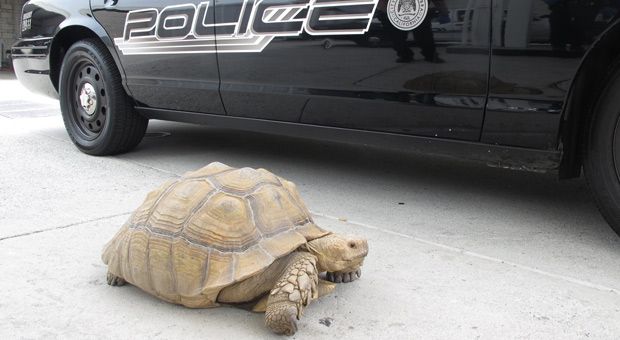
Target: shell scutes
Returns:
[[213, 227]]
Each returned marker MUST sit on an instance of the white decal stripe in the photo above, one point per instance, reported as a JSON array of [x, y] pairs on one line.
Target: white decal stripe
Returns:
[[237, 42], [269, 14], [292, 14], [242, 48], [245, 3], [343, 17], [342, 3], [285, 13]]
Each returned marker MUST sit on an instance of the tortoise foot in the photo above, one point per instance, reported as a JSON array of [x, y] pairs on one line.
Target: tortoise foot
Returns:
[[282, 318], [114, 280]]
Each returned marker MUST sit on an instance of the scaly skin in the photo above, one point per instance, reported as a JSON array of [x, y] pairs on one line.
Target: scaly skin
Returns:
[[294, 280], [293, 291]]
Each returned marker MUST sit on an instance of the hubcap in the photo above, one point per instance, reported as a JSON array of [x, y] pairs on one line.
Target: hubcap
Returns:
[[88, 99]]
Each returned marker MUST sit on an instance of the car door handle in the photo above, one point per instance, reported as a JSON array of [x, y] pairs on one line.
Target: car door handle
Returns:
[[110, 3]]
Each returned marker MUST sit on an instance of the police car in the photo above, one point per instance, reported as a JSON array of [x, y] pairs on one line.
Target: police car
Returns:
[[522, 84]]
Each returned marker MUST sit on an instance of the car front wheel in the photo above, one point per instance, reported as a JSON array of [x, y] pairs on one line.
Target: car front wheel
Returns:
[[98, 114]]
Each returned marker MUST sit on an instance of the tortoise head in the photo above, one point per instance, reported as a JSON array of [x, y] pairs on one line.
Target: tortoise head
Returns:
[[341, 256]]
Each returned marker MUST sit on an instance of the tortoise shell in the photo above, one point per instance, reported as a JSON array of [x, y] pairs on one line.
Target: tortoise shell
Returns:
[[207, 230]]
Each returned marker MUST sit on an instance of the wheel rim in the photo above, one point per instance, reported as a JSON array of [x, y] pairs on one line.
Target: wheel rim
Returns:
[[89, 100]]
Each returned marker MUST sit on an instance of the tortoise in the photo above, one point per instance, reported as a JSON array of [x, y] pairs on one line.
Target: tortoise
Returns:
[[221, 235]]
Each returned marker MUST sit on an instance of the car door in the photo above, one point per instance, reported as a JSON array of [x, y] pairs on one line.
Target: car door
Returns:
[[151, 39], [538, 46], [414, 67]]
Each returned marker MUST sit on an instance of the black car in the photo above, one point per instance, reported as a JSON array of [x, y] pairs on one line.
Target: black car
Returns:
[[523, 84]]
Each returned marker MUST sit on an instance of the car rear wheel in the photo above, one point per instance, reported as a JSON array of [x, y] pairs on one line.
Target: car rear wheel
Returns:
[[98, 115], [602, 152]]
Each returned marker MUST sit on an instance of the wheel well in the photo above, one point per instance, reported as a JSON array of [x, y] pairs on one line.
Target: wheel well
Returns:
[[62, 41], [585, 91]]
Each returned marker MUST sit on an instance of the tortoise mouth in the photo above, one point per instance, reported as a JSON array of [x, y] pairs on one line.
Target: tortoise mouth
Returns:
[[344, 277]]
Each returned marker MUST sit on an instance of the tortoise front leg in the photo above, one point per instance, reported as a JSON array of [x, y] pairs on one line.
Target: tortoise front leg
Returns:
[[293, 291], [324, 288]]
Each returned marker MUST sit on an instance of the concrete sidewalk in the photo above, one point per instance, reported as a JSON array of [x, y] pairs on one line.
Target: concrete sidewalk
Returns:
[[458, 250]]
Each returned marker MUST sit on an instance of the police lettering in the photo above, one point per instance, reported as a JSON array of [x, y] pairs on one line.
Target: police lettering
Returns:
[[250, 19]]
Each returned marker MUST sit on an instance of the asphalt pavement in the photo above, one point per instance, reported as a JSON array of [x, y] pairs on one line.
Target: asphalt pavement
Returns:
[[457, 250]]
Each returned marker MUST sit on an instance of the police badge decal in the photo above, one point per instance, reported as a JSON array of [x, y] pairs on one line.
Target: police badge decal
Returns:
[[407, 14]]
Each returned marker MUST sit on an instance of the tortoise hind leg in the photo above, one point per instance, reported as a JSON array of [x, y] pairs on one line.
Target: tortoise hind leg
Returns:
[[114, 280]]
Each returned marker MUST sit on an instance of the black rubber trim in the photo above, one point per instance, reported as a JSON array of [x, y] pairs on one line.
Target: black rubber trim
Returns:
[[493, 155]]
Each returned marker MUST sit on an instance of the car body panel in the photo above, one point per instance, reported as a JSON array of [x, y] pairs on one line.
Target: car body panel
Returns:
[[498, 156], [32, 66], [187, 82], [42, 22], [337, 80], [538, 47], [505, 83]]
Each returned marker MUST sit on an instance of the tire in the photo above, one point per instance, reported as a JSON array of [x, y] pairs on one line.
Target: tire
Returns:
[[98, 114], [602, 151]]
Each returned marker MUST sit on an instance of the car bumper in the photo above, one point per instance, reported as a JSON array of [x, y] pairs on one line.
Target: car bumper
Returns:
[[32, 66]]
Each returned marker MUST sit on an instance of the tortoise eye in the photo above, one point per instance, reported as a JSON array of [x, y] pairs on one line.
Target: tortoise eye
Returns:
[[352, 245]]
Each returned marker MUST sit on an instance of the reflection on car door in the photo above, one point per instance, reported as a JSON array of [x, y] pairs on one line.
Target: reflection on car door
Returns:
[[538, 45], [357, 64]]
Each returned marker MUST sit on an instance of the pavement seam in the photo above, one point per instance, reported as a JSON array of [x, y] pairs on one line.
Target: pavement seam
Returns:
[[476, 255], [38, 133], [116, 158], [29, 110], [368, 226], [63, 226], [149, 167]]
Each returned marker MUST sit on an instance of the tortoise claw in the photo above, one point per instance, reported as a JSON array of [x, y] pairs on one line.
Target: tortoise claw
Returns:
[[343, 277], [114, 280]]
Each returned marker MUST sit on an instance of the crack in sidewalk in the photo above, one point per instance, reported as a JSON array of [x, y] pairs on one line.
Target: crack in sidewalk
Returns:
[[364, 225], [124, 160], [476, 255], [120, 159], [131, 161], [63, 226]]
